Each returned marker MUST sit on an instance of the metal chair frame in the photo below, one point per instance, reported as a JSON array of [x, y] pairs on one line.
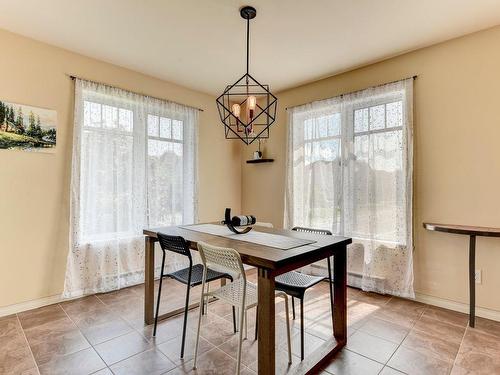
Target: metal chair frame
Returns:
[[240, 292], [298, 290], [180, 246]]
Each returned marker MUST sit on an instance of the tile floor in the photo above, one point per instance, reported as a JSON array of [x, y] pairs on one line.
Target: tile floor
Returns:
[[105, 334]]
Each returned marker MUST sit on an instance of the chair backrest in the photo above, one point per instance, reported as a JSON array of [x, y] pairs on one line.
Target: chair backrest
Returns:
[[176, 244], [221, 259], [312, 230]]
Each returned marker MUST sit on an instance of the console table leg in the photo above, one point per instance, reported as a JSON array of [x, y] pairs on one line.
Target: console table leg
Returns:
[[472, 280]]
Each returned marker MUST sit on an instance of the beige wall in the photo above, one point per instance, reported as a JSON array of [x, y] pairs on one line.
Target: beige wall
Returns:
[[457, 157], [34, 209]]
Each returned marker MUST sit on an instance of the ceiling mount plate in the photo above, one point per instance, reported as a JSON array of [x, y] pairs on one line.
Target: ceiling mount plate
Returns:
[[248, 12]]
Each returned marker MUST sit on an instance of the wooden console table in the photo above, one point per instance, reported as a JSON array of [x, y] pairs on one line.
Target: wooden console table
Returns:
[[472, 232]]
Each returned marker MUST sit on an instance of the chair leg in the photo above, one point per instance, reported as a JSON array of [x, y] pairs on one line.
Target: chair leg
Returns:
[[330, 287], [186, 307], [240, 341], [159, 293], [234, 319], [288, 331], [207, 298], [293, 308], [199, 321], [302, 329], [246, 324], [257, 320], [234, 312]]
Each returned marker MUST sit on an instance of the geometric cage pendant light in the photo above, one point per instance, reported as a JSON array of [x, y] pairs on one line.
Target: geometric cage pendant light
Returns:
[[247, 108]]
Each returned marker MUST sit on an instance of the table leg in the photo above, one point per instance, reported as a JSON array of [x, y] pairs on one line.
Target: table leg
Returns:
[[149, 279], [340, 296], [472, 280], [266, 346]]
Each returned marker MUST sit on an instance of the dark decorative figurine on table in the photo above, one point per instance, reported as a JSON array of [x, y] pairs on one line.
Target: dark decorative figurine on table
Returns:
[[238, 221]]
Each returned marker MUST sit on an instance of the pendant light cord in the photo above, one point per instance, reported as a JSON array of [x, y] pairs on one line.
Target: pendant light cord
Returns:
[[248, 42]]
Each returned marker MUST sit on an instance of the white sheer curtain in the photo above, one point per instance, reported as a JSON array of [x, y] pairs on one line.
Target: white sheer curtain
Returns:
[[350, 170], [134, 165]]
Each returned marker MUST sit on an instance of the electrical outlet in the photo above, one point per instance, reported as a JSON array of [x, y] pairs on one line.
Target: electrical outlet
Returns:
[[477, 276]]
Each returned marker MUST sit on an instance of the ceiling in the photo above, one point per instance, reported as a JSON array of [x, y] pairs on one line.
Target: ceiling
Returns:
[[201, 43]]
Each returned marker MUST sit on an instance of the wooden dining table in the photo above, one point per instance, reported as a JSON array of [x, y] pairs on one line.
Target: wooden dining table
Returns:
[[270, 262]]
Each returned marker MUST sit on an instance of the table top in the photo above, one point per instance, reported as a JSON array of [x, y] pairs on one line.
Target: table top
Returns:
[[463, 229], [264, 256]]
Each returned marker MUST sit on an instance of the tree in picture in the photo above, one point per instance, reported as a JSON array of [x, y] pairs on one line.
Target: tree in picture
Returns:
[[27, 128]]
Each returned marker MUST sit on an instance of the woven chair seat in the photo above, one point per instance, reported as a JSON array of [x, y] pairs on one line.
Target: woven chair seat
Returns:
[[296, 283], [182, 275], [232, 293]]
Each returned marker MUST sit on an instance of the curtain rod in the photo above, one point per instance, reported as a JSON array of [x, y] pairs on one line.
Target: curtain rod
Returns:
[[73, 77], [353, 92]]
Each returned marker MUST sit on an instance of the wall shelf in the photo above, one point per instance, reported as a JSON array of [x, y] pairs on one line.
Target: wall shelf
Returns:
[[256, 161]]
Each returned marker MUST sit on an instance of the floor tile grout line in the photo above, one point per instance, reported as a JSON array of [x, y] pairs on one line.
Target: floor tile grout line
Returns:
[[305, 328], [128, 322], [428, 307], [229, 355], [219, 347], [27, 343], [133, 329], [459, 347], [409, 331], [79, 330], [136, 354]]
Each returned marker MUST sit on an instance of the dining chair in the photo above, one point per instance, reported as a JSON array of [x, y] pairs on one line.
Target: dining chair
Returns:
[[190, 276], [240, 293], [295, 284]]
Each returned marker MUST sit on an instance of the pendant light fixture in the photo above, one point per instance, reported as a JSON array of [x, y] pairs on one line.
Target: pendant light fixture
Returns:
[[247, 108]]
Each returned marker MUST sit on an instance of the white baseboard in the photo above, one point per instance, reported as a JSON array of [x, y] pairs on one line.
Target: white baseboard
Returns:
[[29, 305], [457, 306]]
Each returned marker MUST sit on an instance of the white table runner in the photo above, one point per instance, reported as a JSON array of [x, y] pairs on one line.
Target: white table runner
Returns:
[[260, 238]]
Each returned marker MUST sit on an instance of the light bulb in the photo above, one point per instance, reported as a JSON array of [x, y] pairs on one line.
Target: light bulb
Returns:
[[252, 102], [236, 110]]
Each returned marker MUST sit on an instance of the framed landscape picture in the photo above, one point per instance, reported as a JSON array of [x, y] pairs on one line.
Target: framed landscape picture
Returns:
[[27, 128]]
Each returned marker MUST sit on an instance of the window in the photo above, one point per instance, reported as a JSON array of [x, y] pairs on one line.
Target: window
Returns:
[[134, 166], [349, 170], [165, 153], [378, 157], [107, 180]]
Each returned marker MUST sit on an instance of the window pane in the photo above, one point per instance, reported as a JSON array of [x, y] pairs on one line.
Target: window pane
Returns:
[[334, 125], [125, 119], [376, 187], [321, 174], [322, 123], [361, 120], [165, 176], [153, 126], [394, 114], [110, 117], [165, 127], [377, 117], [95, 115], [86, 114], [177, 129], [308, 132], [328, 150], [106, 185]]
